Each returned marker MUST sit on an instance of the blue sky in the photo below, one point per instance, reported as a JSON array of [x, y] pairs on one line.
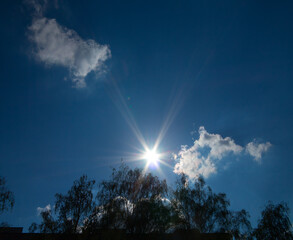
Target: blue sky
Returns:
[[80, 81]]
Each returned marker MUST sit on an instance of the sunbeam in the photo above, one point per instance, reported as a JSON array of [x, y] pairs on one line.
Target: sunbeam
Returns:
[[174, 109], [151, 155], [126, 113]]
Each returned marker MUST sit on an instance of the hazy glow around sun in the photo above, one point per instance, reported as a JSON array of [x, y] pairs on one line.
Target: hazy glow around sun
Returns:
[[151, 156]]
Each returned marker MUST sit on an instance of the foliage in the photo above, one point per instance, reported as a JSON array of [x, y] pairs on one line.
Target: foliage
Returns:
[[131, 184], [132, 199], [48, 224], [198, 207], [139, 203], [71, 209], [239, 225], [275, 223], [149, 215], [6, 197]]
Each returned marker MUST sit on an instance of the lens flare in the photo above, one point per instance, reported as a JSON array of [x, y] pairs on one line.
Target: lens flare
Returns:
[[152, 157]]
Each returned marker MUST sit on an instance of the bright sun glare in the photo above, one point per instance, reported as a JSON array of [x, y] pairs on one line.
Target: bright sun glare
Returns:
[[151, 156]]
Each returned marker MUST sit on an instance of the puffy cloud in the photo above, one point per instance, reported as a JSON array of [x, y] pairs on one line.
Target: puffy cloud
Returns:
[[204, 156], [44, 209], [219, 146], [57, 45], [257, 149]]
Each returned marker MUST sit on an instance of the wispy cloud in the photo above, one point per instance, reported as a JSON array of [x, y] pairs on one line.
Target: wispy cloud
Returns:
[[38, 6], [57, 45], [208, 150], [44, 209], [257, 149]]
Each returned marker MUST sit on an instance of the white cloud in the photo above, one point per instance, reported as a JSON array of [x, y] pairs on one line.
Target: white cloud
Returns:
[[44, 209], [257, 149], [219, 146], [204, 156], [57, 45]]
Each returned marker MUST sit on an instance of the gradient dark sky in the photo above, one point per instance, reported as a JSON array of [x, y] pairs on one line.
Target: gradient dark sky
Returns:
[[225, 65]]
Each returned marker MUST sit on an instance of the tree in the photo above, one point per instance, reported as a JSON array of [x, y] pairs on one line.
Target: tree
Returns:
[[197, 207], [71, 209], [48, 224], [6, 197], [239, 225], [132, 200], [274, 223], [139, 203], [150, 215]]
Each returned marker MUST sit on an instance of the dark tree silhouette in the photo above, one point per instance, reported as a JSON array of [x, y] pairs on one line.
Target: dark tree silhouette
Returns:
[[142, 203], [48, 224], [71, 209], [132, 200], [274, 223], [196, 206], [239, 225], [150, 215], [6, 197]]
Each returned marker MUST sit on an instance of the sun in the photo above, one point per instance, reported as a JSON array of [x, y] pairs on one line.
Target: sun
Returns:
[[152, 157]]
